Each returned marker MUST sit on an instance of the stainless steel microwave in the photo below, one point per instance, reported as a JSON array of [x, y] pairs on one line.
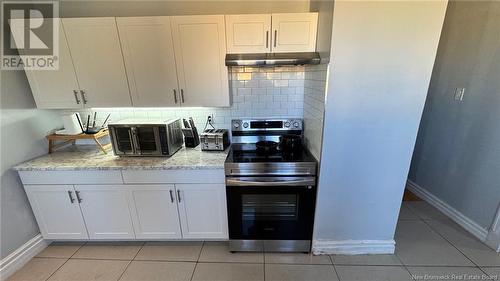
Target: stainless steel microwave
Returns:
[[132, 137]]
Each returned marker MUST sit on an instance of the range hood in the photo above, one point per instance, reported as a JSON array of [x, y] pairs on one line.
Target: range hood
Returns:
[[272, 59]]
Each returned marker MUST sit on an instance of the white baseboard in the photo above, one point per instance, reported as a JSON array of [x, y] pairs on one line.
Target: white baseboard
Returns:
[[475, 229], [493, 239], [353, 247], [21, 256]]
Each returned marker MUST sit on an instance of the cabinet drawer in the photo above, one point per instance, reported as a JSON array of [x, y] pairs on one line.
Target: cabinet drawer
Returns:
[[174, 176], [70, 177]]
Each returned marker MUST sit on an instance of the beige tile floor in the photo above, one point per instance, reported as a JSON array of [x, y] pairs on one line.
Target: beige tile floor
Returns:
[[429, 245]]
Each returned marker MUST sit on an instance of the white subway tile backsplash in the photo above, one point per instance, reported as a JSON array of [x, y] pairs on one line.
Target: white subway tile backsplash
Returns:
[[251, 99], [251, 83], [244, 91], [238, 98], [279, 98], [286, 91], [259, 91], [296, 83], [259, 75], [279, 92], [238, 84], [273, 76], [280, 83], [265, 83], [273, 91], [314, 86]]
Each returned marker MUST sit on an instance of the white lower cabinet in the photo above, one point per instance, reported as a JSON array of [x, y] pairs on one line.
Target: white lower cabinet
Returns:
[[154, 212], [106, 211], [57, 211], [202, 210]]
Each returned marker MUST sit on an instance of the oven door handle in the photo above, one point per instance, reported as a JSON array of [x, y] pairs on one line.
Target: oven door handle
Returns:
[[271, 181]]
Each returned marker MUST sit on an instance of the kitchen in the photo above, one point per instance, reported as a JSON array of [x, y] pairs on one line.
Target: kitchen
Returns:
[[105, 196], [237, 128]]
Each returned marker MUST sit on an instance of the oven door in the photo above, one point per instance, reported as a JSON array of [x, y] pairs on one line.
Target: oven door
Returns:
[[271, 208]]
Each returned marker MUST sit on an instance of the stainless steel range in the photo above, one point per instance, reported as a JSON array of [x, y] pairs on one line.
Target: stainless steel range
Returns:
[[270, 187]]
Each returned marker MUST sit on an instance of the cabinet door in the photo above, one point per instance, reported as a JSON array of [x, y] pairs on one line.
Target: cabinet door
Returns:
[[203, 211], [53, 89], [200, 50], [154, 212], [57, 211], [248, 33], [148, 52], [294, 32], [106, 211], [97, 56]]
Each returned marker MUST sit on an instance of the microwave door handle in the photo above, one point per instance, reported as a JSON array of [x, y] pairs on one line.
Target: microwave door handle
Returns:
[[132, 143], [135, 141], [157, 141], [263, 182]]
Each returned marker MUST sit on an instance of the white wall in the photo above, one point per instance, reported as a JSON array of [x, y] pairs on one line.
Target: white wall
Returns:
[[381, 63], [457, 155], [22, 137]]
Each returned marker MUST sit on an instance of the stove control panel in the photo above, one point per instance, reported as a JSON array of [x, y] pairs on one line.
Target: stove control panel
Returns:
[[266, 124]]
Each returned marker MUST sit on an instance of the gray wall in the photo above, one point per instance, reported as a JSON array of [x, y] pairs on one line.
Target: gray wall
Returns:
[[22, 137], [457, 155], [382, 58]]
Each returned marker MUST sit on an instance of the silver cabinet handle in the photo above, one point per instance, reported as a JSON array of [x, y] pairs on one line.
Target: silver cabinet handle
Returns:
[[182, 95], [70, 194], [267, 39], [75, 92], [179, 195], [275, 37], [175, 96], [171, 196], [78, 196], [84, 96]]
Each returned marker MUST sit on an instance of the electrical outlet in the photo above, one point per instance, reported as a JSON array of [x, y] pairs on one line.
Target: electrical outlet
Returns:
[[459, 94]]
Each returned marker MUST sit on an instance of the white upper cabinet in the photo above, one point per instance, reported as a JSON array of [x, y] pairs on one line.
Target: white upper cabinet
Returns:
[[148, 52], [54, 88], [200, 49], [271, 33], [95, 49], [160, 61], [248, 33], [294, 32]]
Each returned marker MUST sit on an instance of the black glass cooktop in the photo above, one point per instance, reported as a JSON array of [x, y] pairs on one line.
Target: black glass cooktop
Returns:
[[238, 154]]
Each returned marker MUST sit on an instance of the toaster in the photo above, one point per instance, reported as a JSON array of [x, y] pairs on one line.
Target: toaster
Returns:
[[214, 139]]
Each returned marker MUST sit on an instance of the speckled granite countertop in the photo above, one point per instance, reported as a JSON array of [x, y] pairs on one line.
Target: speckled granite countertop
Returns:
[[87, 157]]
